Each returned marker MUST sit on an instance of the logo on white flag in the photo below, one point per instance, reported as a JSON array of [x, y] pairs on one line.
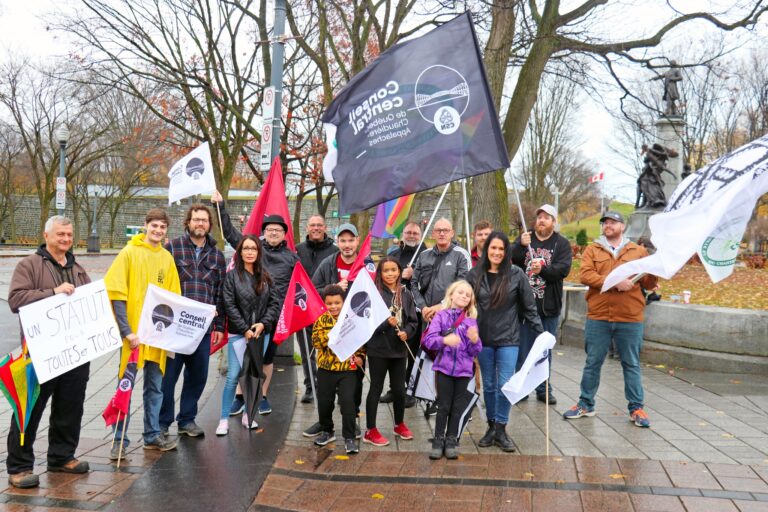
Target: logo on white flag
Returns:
[[191, 175], [162, 317]]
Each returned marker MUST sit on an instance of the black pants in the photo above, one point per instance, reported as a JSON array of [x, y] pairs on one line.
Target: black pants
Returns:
[[328, 385], [452, 400], [360, 376], [307, 359], [68, 394], [379, 366]]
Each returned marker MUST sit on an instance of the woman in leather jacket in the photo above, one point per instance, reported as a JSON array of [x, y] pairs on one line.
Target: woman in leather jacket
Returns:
[[252, 307]]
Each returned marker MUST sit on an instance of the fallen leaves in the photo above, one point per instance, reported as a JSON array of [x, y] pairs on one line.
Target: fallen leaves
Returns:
[[298, 461], [617, 476], [341, 457], [377, 496], [528, 474], [735, 381]]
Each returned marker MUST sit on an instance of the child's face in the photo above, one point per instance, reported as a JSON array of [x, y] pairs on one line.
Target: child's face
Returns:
[[461, 297], [390, 274], [334, 303]]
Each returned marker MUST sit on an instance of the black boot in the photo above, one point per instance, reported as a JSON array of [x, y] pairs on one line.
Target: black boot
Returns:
[[438, 444], [487, 439], [501, 439], [451, 448]]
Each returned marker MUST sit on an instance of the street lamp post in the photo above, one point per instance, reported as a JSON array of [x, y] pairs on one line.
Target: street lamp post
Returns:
[[62, 135], [94, 244]]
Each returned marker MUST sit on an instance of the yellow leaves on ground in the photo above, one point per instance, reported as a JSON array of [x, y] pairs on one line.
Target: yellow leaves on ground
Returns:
[[298, 461], [617, 476], [377, 496], [341, 457]]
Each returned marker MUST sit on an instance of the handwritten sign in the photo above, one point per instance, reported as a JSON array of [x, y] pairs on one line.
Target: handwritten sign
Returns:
[[66, 331]]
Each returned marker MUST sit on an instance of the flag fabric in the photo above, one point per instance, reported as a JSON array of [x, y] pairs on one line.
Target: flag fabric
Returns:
[[120, 402], [272, 200], [20, 386], [418, 116], [391, 217], [173, 322], [301, 307], [597, 177], [192, 175], [534, 371], [363, 261], [707, 214], [362, 313]]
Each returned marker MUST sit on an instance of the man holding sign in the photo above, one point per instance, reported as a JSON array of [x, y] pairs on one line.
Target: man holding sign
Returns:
[[50, 271], [142, 262]]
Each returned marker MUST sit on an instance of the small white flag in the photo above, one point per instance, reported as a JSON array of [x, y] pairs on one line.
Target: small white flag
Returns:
[[192, 175], [534, 371], [172, 322], [364, 310]]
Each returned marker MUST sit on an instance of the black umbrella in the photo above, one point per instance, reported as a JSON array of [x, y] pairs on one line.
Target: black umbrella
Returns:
[[251, 376]]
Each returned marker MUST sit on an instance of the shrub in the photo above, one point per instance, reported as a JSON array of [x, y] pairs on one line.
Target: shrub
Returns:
[[755, 261], [581, 238]]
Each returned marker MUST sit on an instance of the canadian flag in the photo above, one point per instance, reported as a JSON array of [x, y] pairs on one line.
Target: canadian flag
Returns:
[[597, 177]]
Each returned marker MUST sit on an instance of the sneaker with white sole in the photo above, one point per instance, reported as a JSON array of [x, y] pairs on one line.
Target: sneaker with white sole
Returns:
[[313, 431], [253, 425], [578, 411], [324, 438], [223, 428]]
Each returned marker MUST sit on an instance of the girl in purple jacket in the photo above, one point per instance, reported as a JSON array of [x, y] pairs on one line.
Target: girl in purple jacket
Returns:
[[454, 336]]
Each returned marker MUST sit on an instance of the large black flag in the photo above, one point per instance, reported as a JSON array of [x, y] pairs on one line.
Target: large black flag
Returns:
[[419, 116]]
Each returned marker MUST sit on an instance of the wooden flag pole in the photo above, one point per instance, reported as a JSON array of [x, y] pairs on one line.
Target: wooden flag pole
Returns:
[[114, 437], [122, 444], [221, 225], [309, 367], [546, 415]]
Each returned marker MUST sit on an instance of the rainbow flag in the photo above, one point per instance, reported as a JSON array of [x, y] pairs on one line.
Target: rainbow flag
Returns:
[[391, 217]]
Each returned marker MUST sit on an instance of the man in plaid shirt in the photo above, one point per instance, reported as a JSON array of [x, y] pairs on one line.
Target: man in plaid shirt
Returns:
[[201, 269]]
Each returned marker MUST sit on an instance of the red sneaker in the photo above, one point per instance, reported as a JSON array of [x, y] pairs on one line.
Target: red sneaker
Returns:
[[374, 437], [403, 431]]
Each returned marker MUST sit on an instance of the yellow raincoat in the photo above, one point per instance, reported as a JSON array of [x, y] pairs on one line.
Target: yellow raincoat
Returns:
[[136, 267]]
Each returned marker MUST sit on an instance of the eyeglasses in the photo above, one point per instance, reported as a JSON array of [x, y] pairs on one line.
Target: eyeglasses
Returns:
[[442, 231], [200, 221], [274, 230], [411, 233], [249, 249]]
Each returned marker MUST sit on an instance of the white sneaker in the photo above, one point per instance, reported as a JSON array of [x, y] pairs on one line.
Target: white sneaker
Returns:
[[223, 428], [253, 424]]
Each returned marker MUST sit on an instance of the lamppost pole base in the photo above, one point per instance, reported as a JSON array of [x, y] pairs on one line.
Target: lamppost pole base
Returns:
[[94, 244]]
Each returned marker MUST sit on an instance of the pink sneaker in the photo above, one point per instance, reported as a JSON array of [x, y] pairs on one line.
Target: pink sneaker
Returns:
[[374, 437], [403, 432]]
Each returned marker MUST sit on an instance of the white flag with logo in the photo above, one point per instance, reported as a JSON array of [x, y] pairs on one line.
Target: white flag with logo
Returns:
[[363, 311], [172, 322], [192, 175], [707, 214], [534, 371]]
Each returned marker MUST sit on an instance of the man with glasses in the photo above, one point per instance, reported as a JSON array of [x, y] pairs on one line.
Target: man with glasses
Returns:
[[201, 269], [404, 253], [315, 248], [278, 259]]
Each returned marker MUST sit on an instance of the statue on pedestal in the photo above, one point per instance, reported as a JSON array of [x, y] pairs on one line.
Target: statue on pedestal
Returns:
[[650, 184], [671, 91]]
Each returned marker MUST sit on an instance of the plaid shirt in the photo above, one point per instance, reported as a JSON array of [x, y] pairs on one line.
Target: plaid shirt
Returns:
[[201, 277]]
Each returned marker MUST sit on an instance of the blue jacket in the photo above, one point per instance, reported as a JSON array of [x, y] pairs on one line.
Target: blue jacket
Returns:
[[455, 361]]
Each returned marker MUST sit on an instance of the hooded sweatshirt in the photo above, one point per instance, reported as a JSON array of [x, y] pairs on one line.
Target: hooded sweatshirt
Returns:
[[136, 267]]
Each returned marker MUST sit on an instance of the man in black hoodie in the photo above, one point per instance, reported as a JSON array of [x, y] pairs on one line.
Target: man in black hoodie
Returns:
[[550, 264], [314, 249]]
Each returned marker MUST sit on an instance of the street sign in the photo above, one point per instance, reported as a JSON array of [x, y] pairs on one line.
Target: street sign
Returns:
[[268, 105], [61, 183], [266, 147], [61, 199]]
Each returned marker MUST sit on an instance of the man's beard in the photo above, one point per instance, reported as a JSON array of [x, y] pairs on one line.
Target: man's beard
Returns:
[[410, 244], [541, 231]]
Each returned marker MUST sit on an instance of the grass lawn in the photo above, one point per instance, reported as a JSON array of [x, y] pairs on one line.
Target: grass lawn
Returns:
[[745, 288], [592, 223]]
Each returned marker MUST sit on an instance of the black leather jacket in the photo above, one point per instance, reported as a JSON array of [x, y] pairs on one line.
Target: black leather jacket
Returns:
[[244, 307]]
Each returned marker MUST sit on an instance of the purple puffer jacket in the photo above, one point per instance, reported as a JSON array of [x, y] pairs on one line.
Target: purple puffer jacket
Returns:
[[454, 361]]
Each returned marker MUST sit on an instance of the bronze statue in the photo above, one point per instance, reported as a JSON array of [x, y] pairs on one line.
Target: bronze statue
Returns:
[[671, 91], [650, 184]]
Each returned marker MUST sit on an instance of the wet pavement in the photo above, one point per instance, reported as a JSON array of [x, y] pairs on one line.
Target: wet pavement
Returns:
[[707, 450]]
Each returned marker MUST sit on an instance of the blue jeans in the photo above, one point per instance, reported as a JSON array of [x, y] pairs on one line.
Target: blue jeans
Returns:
[[527, 339], [153, 399], [629, 339], [195, 367], [233, 372], [497, 366]]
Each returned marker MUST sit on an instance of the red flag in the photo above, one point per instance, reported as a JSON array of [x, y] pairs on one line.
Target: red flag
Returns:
[[271, 201], [363, 260], [597, 177], [302, 305], [119, 403]]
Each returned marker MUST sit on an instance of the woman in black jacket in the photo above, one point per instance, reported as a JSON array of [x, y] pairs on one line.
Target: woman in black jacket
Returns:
[[252, 307], [504, 297], [387, 351]]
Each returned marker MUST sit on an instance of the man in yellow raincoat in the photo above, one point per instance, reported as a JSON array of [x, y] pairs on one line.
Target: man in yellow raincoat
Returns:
[[143, 261]]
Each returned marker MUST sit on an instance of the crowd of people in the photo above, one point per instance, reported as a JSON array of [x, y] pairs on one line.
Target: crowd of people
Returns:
[[475, 313]]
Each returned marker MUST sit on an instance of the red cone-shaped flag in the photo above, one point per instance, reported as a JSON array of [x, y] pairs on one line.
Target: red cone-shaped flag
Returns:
[[120, 402], [271, 201], [302, 305], [363, 260]]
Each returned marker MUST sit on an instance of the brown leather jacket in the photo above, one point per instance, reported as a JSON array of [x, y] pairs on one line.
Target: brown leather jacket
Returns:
[[613, 306], [37, 275]]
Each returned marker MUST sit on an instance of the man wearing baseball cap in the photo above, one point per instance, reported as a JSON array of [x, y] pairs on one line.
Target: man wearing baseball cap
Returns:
[[546, 257], [616, 315]]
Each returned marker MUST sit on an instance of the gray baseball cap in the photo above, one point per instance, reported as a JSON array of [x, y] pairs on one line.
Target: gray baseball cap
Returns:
[[613, 216], [347, 227]]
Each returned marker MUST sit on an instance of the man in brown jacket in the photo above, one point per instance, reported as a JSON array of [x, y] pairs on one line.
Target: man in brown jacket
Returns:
[[51, 270], [616, 314]]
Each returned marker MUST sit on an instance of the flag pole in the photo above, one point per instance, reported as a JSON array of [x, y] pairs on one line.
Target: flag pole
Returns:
[[520, 209], [418, 369], [546, 414], [309, 367], [114, 437], [426, 228], [466, 212], [221, 225], [122, 444]]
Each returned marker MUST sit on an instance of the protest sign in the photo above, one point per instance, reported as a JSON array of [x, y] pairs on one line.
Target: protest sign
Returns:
[[534, 371], [66, 331], [172, 322]]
